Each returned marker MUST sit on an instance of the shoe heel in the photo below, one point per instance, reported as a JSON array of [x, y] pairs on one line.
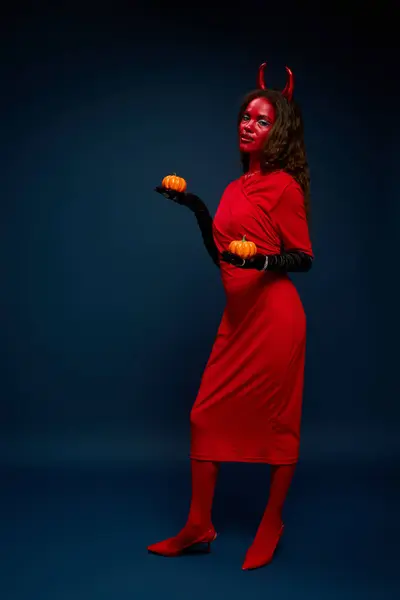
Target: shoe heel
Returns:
[[210, 542]]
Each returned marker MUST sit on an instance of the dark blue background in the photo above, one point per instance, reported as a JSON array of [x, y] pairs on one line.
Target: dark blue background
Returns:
[[110, 303]]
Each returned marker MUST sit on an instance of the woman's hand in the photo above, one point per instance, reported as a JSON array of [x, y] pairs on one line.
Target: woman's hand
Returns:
[[192, 201], [256, 262]]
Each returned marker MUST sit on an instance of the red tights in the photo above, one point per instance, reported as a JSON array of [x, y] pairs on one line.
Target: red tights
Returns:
[[204, 478], [199, 522], [261, 551]]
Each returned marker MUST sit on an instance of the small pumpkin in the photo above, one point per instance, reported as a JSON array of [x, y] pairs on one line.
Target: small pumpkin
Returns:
[[173, 182], [243, 248]]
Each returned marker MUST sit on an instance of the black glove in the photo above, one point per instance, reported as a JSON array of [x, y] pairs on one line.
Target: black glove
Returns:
[[287, 262], [202, 214], [192, 201]]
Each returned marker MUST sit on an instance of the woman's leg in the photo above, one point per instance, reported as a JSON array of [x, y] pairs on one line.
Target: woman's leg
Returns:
[[204, 479], [270, 529], [199, 526]]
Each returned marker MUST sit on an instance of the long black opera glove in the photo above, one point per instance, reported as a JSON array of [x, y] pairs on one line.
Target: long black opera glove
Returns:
[[202, 214], [294, 261]]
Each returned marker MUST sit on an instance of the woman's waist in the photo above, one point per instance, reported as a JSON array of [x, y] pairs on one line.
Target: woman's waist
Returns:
[[235, 278], [270, 294], [252, 284]]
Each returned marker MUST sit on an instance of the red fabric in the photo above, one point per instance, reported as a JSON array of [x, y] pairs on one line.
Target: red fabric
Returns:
[[270, 529], [199, 527], [204, 479], [248, 407]]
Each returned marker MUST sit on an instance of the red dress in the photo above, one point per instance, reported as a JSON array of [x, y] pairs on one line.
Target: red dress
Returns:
[[248, 407]]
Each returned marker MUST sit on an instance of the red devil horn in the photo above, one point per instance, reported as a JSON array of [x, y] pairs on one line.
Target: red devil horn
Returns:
[[260, 78], [289, 87]]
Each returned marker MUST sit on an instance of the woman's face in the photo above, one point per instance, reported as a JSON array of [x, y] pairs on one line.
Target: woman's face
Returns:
[[255, 125]]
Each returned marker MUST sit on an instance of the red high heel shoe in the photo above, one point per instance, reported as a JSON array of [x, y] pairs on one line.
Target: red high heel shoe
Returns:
[[256, 556], [183, 541]]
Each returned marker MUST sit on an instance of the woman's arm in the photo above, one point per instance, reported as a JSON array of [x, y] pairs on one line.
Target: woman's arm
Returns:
[[202, 214], [294, 261], [205, 223]]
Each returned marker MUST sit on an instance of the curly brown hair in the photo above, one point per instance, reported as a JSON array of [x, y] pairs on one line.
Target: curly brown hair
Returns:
[[285, 147]]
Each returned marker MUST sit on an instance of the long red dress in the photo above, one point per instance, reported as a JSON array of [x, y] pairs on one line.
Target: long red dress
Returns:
[[248, 407]]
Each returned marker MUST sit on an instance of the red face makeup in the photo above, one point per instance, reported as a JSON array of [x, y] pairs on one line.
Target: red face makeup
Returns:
[[255, 125]]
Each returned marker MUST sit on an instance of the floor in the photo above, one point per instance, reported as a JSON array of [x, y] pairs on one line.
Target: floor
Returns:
[[80, 532]]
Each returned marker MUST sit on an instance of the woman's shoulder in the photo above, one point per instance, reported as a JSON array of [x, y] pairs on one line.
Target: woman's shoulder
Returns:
[[269, 184], [279, 180]]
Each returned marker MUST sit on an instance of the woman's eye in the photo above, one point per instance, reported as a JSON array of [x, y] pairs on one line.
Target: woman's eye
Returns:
[[264, 123], [245, 118]]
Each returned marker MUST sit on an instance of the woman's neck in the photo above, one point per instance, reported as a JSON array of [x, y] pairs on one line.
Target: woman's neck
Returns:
[[254, 163]]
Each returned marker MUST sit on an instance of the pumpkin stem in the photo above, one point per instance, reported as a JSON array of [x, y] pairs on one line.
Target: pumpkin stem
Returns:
[[244, 238]]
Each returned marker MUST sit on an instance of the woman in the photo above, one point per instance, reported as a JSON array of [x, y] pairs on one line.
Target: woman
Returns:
[[248, 407]]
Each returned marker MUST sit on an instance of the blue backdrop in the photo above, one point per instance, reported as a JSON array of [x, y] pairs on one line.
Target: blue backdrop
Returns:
[[101, 355]]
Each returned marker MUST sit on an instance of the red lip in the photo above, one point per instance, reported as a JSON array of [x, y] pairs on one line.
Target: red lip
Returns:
[[244, 138]]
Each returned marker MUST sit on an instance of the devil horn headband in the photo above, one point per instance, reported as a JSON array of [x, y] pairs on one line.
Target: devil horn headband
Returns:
[[287, 92]]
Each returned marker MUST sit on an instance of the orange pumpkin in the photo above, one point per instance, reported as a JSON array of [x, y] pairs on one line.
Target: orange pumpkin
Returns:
[[173, 182], [243, 248]]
